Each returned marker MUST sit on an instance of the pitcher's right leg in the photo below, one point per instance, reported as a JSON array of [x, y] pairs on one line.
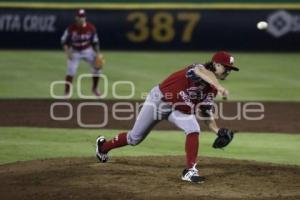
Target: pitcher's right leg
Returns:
[[145, 121], [103, 146]]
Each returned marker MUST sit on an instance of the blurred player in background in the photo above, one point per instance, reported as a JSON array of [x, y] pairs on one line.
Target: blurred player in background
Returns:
[[177, 99], [80, 42]]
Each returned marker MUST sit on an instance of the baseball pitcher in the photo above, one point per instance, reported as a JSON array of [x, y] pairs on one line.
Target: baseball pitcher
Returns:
[[176, 99]]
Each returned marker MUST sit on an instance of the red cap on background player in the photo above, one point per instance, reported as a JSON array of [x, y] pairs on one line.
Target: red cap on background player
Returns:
[[81, 13], [225, 59]]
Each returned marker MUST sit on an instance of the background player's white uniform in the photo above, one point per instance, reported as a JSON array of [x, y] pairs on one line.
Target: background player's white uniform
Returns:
[[80, 41]]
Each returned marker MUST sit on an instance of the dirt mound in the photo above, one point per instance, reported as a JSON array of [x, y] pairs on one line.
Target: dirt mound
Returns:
[[146, 178]]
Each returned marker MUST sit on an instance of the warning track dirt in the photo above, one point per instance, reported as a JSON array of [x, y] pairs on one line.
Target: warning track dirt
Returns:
[[280, 117]]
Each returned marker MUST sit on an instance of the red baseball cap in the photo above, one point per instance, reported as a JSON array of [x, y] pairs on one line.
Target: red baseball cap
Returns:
[[81, 13], [225, 59]]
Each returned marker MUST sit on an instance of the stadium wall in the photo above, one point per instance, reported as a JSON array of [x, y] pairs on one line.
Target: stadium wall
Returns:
[[159, 1], [156, 26]]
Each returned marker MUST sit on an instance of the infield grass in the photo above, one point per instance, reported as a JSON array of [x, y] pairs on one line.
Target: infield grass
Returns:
[[20, 144], [263, 76]]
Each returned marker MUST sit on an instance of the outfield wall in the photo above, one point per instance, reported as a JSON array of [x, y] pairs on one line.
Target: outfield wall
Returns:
[[156, 26]]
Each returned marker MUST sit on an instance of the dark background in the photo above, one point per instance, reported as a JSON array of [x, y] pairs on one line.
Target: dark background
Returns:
[[217, 29]]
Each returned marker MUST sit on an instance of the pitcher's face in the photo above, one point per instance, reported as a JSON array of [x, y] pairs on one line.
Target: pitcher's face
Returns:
[[221, 71]]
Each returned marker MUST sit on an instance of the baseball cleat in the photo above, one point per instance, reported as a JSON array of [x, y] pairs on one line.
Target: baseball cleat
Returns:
[[191, 175], [67, 95], [96, 92], [102, 157]]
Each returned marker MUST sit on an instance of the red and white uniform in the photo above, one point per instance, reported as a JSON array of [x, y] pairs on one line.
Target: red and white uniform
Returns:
[[174, 100], [183, 93], [80, 39]]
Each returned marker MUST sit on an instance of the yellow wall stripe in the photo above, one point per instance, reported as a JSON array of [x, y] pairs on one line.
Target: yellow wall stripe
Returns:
[[146, 6]]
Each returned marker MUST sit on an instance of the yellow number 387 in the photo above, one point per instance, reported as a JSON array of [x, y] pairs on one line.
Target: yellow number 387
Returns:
[[162, 27]]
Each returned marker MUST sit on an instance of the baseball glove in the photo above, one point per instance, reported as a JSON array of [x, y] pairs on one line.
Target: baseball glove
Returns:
[[99, 61], [224, 137]]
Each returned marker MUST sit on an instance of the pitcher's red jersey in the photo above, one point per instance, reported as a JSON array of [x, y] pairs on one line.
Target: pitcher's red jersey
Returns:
[[184, 93]]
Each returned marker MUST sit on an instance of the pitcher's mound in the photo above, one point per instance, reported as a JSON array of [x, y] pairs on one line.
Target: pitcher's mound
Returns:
[[146, 178]]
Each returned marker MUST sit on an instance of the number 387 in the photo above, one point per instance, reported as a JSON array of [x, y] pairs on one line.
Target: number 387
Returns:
[[161, 26]]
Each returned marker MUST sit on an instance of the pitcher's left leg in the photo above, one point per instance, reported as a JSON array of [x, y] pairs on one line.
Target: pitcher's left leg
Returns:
[[188, 123], [191, 149]]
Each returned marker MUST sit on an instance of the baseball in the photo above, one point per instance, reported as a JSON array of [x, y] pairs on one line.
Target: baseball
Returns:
[[262, 25]]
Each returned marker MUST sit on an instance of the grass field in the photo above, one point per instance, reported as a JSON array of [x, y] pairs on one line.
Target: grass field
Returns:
[[19, 144], [263, 76]]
